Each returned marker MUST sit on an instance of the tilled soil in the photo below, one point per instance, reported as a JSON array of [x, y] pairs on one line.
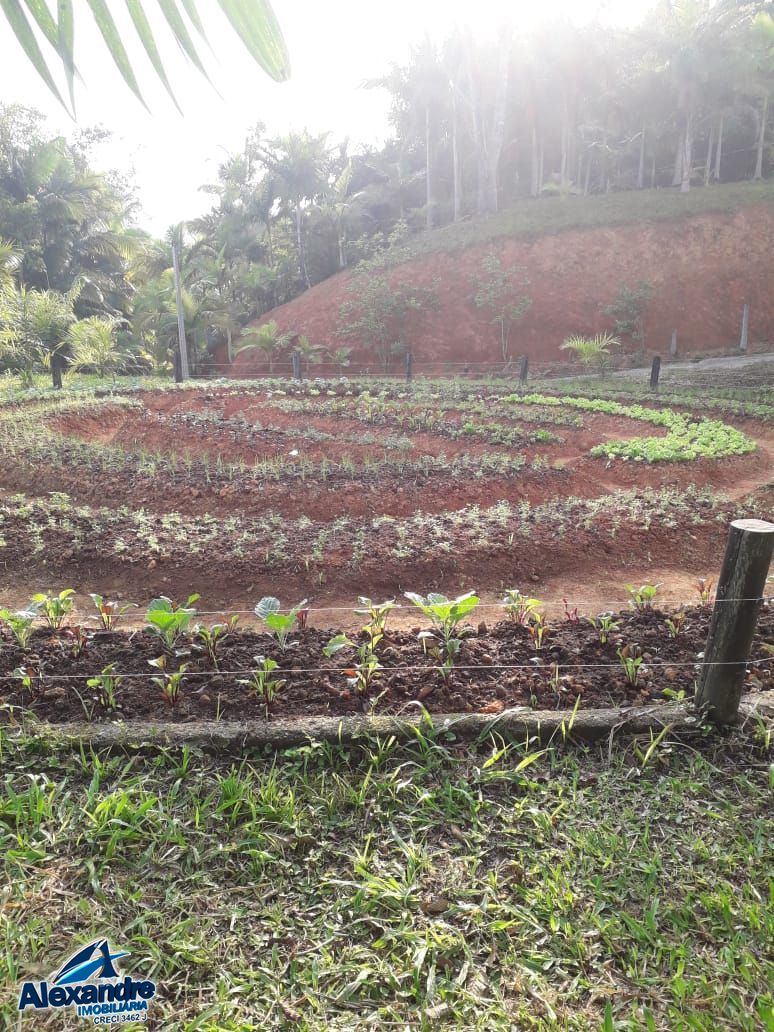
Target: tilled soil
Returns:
[[497, 667]]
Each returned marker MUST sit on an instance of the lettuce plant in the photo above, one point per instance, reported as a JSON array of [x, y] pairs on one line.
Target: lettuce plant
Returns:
[[55, 607], [269, 610], [168, 620]]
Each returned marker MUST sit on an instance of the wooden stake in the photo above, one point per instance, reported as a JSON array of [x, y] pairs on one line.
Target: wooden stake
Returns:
[[180, 321], [740, 591], [745, 328], [655, 370]]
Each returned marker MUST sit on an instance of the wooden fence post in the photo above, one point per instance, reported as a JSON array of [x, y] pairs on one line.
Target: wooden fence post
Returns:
[[740, 591], [673, 345], [745, 328], [655, 370], [409, 365], [524, 370]]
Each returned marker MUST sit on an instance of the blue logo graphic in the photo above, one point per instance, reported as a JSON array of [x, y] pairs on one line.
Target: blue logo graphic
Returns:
[[81, 966], [90, 982]]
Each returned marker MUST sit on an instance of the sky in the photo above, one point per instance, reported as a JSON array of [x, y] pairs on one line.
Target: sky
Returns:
[[334, 48]]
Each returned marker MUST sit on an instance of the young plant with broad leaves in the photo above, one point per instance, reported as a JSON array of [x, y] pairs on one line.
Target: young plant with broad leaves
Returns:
[[642, 597], [444, 641], [209, 639], [21, 623], [630, 657], [106, 685], [520, 607], [367, 667], [55, 608], [605, 625], [279, 624], [168, 620]]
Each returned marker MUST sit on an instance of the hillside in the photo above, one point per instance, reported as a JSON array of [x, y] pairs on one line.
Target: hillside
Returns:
[[704, 253]]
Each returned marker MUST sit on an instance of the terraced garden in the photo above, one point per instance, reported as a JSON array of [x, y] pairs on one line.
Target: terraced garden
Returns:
[[325, 490]]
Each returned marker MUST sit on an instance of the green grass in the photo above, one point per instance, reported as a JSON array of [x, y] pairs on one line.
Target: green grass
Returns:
[[402, 886], [529, 219]]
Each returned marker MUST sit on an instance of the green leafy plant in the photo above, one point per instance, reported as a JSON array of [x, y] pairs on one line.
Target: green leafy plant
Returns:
[[55, 607], [642, 597], [675, 623], [109, 613], [30, 679], [520, 607], [210, 638], [169, 681], [631, 661], [263, 682], [499, 294], [20, 623], [362, 674], [168, 620], [269, 611], [538, 628], [377, 612], [592, 352], [106, 685], [604, 625], [445, 640]]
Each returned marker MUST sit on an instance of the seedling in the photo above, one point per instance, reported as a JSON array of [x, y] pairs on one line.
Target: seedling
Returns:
[[109, 613], [538, 628], [642, 597], [279, 624], [571, 615], [79, 639], [631, 661], [445, 614], [377, 612], [209, 638], [675, 624], [55, 607], [366, 670], [170, 681], [20, 623], [704, 586], [29, 679], [106, 684], [263, 683], [445, 651], [520, 607], [168, 620], [604, 625]]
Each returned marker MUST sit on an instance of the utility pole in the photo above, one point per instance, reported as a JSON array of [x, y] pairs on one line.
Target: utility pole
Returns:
[[184, 374]]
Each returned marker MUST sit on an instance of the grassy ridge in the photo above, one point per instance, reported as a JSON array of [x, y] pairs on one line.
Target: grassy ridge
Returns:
[[530, 219], [402, 887]]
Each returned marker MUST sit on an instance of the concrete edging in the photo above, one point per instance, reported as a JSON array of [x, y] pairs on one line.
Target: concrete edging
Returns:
[[522, 723]]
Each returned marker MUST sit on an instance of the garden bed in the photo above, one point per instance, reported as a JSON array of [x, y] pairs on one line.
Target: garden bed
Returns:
[[497, 668]]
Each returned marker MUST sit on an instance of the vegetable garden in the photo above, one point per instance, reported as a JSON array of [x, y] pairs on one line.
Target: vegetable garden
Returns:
[[454, 511]]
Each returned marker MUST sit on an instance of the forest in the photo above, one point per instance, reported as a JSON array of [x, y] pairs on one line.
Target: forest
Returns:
[[679, 103]]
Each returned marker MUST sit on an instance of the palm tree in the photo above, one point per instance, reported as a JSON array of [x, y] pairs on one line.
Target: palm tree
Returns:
[[34, 329], [93, 344], [252, 20], [267, 339], [10, 262]]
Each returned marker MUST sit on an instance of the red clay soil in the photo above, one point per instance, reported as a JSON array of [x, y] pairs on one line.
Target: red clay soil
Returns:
[[703, 269], [495, 669]]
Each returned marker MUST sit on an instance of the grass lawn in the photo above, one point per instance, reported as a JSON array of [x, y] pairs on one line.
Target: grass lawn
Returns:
[[395, 886]]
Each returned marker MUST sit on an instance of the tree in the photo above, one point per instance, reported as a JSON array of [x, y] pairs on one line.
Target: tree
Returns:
[[628, 311], [267, 339], [593, 352], [93, 345], [34, 330], [376, 312], [252, 20], [499, 294]]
